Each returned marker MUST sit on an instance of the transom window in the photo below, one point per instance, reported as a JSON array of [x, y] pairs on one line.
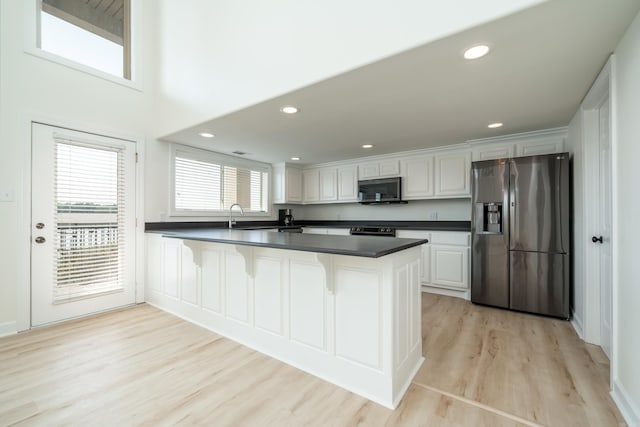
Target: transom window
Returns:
[[207, 183], [95, 33]]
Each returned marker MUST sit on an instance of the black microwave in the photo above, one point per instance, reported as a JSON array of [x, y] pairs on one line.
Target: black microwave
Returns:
[[383, 190]]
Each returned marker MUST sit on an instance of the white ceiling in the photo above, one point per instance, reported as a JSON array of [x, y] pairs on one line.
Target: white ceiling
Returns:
[[543, 61]]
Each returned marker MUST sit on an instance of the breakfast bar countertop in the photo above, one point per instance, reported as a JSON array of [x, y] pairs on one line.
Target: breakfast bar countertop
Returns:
[[360, 246]]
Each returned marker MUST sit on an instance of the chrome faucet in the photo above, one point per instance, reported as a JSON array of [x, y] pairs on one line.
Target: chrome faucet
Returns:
[[231, 220]]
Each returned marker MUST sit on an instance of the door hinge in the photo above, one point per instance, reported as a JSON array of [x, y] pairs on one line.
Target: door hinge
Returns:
[[136, 157]]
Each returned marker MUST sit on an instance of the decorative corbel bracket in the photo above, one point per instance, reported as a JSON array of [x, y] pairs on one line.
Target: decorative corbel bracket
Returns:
[[325, 261], [247, 254], [195, 247]]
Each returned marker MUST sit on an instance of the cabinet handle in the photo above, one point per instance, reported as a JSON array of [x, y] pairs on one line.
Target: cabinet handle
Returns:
[[595, 239]]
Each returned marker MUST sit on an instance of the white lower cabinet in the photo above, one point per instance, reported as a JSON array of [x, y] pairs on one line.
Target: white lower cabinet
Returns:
[[446, 260], [450, 266], [324, 230]]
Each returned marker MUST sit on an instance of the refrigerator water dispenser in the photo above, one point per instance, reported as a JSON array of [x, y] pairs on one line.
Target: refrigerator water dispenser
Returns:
[[489, 218]]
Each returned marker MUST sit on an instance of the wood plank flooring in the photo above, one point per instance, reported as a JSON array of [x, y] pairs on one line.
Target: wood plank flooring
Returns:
[[144, 367]]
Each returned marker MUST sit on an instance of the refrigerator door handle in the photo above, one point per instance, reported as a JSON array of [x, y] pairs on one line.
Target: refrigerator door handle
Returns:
[[512, 207]]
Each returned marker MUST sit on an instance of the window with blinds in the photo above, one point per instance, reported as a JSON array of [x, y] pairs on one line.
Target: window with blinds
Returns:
[[207, 183], [90, 219]]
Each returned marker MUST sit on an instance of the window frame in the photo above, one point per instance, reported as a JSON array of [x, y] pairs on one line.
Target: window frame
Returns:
[[223, 160], [32, 36]]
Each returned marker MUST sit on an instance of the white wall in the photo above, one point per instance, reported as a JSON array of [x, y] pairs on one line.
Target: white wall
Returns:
[[33, 87], [416, 210], [626, 257]]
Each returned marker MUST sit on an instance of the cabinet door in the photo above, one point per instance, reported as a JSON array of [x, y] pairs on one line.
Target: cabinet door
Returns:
[[452, 174], [425, 272], [348, 184], [492, 152], [293, 185], [543, 146], [425, 267], [417, 178], [328, 184], [369, 171], [279, 185], [389, 168], [450, 266], [311, 186]]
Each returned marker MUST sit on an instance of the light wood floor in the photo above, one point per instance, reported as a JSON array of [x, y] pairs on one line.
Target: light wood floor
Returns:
[[141, 366]]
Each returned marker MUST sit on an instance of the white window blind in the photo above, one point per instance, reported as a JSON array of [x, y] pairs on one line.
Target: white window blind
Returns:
[[208, 185], [90, 220]]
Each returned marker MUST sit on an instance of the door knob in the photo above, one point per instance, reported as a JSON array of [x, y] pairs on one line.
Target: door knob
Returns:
[[40, 239], [595, 239]]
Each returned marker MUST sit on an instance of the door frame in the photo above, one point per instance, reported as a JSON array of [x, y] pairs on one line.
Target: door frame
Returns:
[[603, 86], [23, 294]]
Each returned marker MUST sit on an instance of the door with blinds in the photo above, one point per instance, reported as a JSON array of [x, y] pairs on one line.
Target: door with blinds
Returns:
[[82, 224]]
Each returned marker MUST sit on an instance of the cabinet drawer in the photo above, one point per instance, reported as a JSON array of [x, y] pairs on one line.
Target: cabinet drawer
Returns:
[[456, 238]]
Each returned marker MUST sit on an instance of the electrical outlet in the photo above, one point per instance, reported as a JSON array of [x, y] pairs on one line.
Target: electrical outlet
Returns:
[[433, 216]]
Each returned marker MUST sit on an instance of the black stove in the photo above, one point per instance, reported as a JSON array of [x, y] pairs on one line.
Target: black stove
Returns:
[[373, 231]]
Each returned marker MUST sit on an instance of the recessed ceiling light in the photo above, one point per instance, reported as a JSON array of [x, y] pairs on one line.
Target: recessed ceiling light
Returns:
[[206, 135], [289, 109], [295, 158], [494, 125], [367, 146], [476, 52]]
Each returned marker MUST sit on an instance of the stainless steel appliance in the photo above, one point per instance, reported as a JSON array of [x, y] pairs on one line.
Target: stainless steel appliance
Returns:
[[372, 231], [379, 191], [520, 234]]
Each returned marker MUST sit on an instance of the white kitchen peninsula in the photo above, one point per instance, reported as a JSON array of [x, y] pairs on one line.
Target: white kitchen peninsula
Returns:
[[344, 308]]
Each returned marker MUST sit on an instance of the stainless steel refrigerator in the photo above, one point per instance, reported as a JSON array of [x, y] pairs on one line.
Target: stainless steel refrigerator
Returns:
[[520, 234]]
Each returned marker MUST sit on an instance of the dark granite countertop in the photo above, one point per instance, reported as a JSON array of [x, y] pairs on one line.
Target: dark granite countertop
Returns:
[[361, 246], [407, 225]]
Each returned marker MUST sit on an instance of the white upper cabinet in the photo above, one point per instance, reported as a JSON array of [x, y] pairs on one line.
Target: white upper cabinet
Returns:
[[320, 185], [348, 184], [417, 177], [426, 174], [311, 185], [524, 144], [380, 169], [492, 152], [287, 184], [453, 174], [328, 184], [543, 146]]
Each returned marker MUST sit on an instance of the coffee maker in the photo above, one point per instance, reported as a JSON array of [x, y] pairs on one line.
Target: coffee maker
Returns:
[[285, 217]]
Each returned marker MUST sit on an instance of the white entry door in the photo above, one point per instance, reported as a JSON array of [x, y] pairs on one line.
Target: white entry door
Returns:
[[603, 239], [82, 224]]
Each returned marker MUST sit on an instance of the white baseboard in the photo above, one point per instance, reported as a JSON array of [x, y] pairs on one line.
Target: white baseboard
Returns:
[[628, 408], [576, 322], [8, 328], [444, 291]]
